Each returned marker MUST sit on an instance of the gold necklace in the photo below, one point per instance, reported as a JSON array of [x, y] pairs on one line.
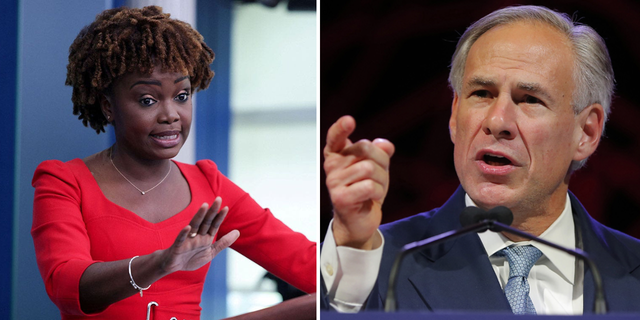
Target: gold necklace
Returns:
[[131, 183]]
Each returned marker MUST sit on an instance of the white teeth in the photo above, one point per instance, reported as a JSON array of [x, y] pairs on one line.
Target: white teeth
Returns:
[[166, 137], [493, 155]]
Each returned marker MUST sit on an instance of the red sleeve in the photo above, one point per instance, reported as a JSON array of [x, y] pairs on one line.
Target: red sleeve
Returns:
[[59, 234], [263, 239]]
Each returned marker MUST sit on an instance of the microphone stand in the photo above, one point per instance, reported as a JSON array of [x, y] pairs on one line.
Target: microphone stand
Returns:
[[390, 303], [599, 305]]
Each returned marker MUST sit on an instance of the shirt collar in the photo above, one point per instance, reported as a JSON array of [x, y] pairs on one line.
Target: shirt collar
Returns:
[[561, 232]]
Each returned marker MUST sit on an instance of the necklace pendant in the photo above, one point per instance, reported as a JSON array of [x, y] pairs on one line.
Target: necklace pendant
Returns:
[[131, 183]]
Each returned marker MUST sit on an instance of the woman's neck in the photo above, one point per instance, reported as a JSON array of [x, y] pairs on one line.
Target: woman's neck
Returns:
[[137, 168]]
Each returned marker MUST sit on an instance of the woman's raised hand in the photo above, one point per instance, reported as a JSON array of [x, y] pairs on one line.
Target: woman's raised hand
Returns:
[[194, 246], [103, 283]]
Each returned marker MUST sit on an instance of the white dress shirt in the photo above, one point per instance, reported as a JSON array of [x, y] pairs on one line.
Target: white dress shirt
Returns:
[[555, 280], [350, 274]]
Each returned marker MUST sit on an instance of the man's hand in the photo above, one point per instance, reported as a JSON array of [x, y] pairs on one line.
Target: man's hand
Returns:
[[358, 180]]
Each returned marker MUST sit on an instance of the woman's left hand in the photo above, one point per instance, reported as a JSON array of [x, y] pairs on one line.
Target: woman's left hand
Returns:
[[194, 246]]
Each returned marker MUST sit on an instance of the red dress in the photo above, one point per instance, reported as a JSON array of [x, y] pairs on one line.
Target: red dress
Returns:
[[75, 225]]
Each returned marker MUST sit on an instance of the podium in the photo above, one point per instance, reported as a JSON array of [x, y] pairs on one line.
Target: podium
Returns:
[[325, 315]]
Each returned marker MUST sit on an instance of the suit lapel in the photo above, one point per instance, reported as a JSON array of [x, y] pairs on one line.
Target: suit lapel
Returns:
[[614, 260], [461, 279], [456, 275]]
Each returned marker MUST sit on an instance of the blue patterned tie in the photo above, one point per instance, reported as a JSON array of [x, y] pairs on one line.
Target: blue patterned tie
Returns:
[[521, 259]]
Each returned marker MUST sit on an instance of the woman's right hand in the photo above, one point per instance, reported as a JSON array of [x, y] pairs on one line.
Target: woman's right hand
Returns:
[[194, 246]]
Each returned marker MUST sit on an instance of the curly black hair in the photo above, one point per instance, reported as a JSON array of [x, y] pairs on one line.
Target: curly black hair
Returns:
[[124, 40]]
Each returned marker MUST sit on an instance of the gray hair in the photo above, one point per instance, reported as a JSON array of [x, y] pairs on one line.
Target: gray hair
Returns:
[[593, 75]]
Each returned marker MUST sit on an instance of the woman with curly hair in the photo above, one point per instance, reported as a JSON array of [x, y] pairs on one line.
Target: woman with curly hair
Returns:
[[127, 232]]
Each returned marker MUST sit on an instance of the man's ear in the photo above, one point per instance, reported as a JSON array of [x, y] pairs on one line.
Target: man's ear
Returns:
[[452, 120], [591, 124], [106, 107]]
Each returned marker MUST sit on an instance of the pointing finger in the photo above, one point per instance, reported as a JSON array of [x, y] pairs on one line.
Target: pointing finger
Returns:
[[338, 134]]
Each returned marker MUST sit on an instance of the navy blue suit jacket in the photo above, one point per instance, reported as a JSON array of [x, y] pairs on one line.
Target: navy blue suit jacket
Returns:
[[457, 275]]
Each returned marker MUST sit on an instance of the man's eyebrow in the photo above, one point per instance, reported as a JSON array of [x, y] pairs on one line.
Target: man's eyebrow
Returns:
[[152, 82], [536, 88], [480, 82], [532, 87]]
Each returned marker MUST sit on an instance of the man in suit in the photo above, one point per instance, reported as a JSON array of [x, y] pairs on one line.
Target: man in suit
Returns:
[[532, 91]]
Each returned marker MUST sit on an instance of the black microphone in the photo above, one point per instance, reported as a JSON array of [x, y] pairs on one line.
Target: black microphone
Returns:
[[471, 215], [498, 219]]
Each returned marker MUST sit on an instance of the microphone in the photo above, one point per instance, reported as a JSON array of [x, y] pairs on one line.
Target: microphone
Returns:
[[498, 219], [471, 215]]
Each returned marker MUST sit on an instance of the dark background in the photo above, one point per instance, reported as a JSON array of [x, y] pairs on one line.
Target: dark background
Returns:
[[386, 63]]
